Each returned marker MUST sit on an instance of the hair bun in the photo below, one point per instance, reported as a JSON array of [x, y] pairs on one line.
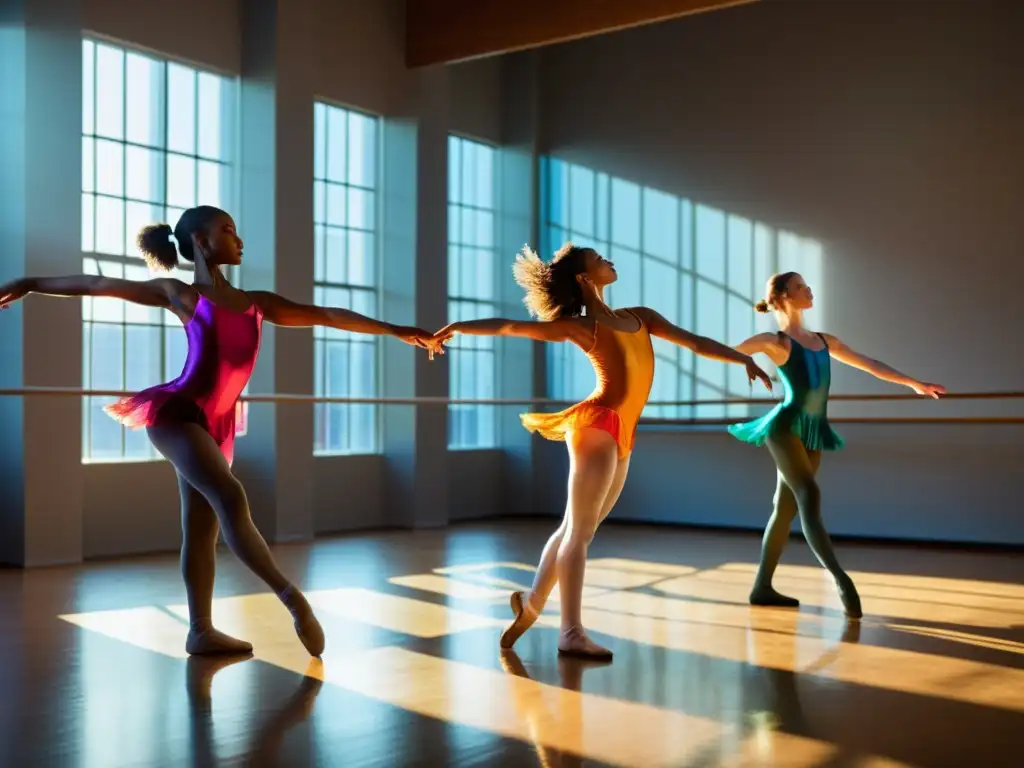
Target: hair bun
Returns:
[[761, 306], [154, 241]]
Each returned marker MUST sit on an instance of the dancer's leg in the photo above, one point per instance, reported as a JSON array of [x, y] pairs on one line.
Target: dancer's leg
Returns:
[[199, 461], [776, 536], [199, 529], [593, 461], [527, 607], [795, 466]]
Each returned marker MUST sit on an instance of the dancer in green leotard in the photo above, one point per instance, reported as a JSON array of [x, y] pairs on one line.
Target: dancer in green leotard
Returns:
[[796, 431]]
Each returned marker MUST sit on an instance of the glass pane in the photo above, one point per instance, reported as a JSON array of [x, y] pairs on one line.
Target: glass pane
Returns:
[[361, 261], [319, 140], [319, 238], [88, 84], [484, 234], [741, 257], [212, 184], [181, 181], [454, 254], [468, 165], [181, 117], [139, 313], [142, 356], [365, 303], [454, 177], [336, 261], [143, 86], [88, 223], [485, 174], [110, 226], [176, 345], [109, 92], [319, 202], [336, 205], [210, 128], [144, 177], [88, 165], [362, 150], [337, 145], [107, 357], [361, 209], [109, 168]]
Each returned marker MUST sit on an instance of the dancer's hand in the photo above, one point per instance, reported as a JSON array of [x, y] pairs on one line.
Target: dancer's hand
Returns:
[[754, 372], [444, 335], [14, 290], [419, 338], [928, 390]]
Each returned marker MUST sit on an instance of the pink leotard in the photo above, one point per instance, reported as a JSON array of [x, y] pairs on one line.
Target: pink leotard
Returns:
[[222, 349]]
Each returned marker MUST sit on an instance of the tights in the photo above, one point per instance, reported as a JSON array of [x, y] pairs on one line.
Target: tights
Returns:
[[213, 500], [797, 492], [596, 477]]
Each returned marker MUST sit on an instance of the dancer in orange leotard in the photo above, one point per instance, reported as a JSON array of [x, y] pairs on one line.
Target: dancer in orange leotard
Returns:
[[567, 295]]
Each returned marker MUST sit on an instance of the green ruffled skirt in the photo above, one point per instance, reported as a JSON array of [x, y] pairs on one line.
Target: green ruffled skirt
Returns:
[[814, 431]]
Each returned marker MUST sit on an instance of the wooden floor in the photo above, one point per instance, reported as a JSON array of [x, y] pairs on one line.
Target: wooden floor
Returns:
[[94, 674]]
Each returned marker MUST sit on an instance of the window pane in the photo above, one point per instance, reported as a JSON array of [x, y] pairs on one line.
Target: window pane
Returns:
[[144, 83], [110, 168], [143, 174], [741, 257], [344, 254], [181, 113], [109, 92], [710, 243], [181, 181], [210, 128], [88, 83], [110, 226], [211, 184], [126, 187]]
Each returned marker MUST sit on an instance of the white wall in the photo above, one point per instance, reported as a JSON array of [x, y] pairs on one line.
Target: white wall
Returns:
[[891, 136]]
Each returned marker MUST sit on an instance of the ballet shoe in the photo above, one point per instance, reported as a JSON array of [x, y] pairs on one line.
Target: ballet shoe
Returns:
[[767, 596], [210, 641], [307, 627], [310, 633], [849, 597], [574, 642], [524, 619]]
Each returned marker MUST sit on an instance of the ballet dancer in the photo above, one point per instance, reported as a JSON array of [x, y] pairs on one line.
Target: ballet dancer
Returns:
[[797, 430], [191, 420], [567, 296]]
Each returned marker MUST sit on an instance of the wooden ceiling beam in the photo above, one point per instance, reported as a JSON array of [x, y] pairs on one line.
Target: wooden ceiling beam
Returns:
[[449, 31]]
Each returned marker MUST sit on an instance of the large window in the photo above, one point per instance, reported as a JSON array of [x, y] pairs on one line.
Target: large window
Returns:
[[346, 274], [699, 267], [157, 138], [472, 288]]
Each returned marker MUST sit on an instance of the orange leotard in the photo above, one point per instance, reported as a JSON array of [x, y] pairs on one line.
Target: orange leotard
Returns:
[[624, 365]]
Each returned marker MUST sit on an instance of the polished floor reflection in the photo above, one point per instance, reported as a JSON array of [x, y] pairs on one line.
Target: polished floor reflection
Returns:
[[94, 671]]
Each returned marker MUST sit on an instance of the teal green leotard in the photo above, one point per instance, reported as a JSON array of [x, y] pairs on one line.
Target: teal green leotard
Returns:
[[803, 412]]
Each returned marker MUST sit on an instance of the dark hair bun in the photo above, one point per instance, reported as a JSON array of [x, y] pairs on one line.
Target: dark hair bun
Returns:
[[157, 249], [762, 306]]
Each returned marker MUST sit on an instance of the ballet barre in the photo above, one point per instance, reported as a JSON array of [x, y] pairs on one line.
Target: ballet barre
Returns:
[[531, 401]]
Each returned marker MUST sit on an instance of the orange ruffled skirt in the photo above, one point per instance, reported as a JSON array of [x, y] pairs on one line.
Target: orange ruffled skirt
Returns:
[[553, 426]]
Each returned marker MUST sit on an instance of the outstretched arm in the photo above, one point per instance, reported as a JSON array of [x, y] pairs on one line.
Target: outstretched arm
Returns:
[[570, 329], [878, 369], [162, 292], [701, 345], [289, 314]]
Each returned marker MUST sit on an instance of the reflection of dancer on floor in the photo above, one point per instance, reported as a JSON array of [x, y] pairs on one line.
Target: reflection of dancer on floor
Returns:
[[198, 683], [546, 725], [797, 430], [191, 420], [568, 297]]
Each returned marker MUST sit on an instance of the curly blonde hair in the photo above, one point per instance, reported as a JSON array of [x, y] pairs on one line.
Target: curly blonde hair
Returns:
[[552, 290]]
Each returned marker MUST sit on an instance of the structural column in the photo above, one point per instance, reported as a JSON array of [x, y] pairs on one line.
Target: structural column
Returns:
[[275, 459], [40, 234]]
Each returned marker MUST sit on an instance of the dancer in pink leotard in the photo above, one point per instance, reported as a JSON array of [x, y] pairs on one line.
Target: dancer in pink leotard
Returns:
[[191, 420]]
